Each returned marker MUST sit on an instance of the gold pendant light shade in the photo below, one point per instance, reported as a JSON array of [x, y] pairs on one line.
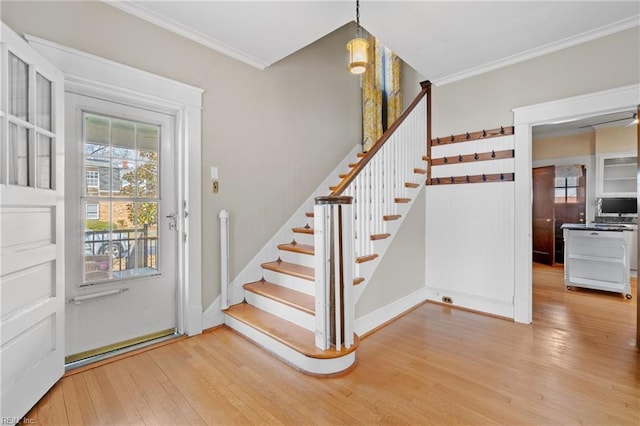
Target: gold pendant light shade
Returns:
[[358, 48]]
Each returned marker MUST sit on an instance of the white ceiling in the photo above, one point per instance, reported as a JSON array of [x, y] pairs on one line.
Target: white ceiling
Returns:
[[443, 40], [585, 125]]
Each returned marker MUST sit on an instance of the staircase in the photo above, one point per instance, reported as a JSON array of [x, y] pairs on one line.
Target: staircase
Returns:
[[279, 308]]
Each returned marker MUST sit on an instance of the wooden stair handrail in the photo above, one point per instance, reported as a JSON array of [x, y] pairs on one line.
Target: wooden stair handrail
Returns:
[[342, 186]]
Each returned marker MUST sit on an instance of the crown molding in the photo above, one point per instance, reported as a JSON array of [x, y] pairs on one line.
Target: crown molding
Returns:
[[193, 35], [606, 30]]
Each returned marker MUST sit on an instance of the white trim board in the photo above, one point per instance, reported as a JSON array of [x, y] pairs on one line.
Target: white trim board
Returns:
[[91, 75], [608, 101]]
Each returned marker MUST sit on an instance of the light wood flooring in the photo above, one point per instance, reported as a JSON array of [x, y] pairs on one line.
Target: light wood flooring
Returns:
[[576, 364]]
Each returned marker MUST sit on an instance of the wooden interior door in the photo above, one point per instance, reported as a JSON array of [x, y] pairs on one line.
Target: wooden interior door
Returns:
[[543, 215]]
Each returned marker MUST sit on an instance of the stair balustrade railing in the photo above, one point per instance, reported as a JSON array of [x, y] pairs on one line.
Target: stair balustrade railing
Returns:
[[349, 221]]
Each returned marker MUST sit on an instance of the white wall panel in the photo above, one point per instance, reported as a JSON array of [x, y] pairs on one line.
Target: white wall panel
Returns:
[[15, 233], [24, 351], [469, 246], [40, 281]]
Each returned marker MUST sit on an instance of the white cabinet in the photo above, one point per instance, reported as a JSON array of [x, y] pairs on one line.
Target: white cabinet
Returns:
[[616, 175], [597, 258]]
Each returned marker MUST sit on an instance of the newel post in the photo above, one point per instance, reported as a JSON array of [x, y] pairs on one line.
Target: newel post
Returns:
[[333, 238]]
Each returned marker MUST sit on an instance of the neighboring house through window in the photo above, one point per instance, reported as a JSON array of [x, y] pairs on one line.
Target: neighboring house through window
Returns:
[[93, 179]]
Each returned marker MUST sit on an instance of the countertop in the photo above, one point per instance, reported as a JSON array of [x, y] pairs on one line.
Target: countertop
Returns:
[[597, 227]]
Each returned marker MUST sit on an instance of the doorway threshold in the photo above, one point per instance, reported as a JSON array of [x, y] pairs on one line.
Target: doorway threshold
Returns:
[[101, 356]]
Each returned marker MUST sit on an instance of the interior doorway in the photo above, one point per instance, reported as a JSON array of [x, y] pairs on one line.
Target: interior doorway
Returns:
[[526, 118]]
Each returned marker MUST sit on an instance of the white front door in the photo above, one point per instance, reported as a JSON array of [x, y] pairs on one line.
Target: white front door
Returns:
[[31, 226], [122, 262]]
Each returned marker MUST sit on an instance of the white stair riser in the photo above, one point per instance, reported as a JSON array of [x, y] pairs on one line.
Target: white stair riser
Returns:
[[281, 310], [303, 238], [291, 282], [298, 258], [295, 358]]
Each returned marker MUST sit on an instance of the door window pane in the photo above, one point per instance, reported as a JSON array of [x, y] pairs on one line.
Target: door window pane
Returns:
[[43, 102], [18, 87], [43, 161], [121, 178], [18, 155]]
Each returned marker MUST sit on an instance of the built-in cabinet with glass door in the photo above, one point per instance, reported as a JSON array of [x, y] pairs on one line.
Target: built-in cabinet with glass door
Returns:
[[616, 175]]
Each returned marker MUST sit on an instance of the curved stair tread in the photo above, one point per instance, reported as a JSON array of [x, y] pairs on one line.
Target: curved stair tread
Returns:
[[293, 269], [295, 299], [285, 332], [298, 248]]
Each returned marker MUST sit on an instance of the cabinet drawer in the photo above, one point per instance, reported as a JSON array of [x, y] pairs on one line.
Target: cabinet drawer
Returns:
[[597, 244]]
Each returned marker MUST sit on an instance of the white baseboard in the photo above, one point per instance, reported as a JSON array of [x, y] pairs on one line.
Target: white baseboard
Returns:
[[375, 319]]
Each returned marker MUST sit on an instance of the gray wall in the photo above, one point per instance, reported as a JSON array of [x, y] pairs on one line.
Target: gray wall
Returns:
[[274, 134], [401, 270]]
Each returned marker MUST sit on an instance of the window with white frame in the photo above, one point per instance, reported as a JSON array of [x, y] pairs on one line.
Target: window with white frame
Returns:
[[92, 211], [93, 179]]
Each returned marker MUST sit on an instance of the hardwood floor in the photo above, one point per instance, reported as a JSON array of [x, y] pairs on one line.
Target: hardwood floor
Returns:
[[576, 364]]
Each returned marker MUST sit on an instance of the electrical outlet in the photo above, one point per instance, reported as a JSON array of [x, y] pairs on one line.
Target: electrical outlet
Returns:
[[447, 299], [215, 187]]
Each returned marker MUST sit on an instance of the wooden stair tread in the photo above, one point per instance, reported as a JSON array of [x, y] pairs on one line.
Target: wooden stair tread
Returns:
[[292, 269], [295, 299], [303, 230], [402, 200], [297, 248], [361, 154], [380, 236], [309, 214], [285, 332], [391, 217], [368, 258], [420, 171], [411, 185], [358, 280]]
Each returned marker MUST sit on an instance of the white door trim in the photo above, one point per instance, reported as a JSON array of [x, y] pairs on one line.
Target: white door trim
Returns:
[[608, 101], [91, 75]]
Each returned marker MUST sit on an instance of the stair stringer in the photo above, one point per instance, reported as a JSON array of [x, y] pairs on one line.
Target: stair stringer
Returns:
[[270, 251], [367, 270]]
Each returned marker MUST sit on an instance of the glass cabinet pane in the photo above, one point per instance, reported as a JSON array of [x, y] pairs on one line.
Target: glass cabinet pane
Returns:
[[43, 162], [43, 102], [18, 87], [18, 155]]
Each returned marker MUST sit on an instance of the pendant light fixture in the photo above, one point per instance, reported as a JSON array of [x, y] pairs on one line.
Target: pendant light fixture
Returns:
[[358, 48]]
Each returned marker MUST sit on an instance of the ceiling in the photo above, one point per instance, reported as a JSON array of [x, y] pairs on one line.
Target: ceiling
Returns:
[[585, 125], [443, 40]]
